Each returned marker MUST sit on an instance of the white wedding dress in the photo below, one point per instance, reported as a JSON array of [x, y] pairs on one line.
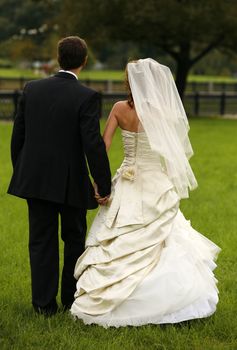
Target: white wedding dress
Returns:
[[144, 263]]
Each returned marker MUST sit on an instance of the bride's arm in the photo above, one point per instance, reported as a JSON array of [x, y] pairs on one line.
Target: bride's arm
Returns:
[[110, 127]]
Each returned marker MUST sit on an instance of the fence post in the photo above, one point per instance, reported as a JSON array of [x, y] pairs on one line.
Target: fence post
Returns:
[[210, 87], [222, 103], [109, 86], [223, 87], [196, 104]]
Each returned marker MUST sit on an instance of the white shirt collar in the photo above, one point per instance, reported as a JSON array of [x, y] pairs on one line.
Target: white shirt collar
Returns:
[[69, 72]]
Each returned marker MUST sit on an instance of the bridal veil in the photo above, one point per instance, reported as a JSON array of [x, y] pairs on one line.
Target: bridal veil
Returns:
[[163, 118]]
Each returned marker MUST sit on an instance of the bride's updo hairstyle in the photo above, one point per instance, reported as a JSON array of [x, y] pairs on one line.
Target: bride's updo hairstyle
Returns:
[[127, 86]]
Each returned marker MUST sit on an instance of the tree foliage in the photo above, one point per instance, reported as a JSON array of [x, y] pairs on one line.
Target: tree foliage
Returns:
[[26, 25], [186, 30]]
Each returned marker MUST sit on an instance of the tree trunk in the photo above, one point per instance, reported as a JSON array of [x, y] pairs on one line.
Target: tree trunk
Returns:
[[184, 64], [181, 76]]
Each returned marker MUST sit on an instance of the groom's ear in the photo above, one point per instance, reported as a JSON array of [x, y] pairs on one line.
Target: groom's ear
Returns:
[[85, 62]]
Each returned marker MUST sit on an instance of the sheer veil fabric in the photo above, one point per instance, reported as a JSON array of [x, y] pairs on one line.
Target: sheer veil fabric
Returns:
[[163, 118]]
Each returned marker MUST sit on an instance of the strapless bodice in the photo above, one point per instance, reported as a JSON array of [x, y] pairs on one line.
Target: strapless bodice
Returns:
[[137, 149], [141, 177]]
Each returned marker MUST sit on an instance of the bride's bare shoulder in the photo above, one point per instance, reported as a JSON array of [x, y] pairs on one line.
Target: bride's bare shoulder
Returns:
[[121, 106]]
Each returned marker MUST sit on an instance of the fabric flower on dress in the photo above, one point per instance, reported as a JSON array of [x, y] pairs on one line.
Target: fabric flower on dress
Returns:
[[129, 173]]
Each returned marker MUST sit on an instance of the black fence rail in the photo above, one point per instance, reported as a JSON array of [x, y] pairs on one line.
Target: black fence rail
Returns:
[[8, 104], [202, 104], [100, 85], [113, 86], [196, 104], [13, 83]]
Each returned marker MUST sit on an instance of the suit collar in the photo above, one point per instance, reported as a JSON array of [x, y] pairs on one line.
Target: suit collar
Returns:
[[65, 75]]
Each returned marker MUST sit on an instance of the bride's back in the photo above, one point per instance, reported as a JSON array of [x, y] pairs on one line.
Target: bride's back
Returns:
[[126, 116]]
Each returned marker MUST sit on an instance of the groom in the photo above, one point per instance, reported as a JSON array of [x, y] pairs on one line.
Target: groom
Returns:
[[55, 134]]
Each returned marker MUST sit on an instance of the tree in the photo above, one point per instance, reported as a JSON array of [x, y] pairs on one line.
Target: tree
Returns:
[[27, 24], [186, 30]]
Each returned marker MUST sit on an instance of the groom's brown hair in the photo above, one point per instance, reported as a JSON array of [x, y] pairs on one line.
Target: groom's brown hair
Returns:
[[72, 52]]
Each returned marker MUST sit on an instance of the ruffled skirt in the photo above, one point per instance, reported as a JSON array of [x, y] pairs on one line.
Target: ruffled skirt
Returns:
[[144, 263]]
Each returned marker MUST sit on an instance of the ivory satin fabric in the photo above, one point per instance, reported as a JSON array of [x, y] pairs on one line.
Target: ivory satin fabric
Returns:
[[144, 263]]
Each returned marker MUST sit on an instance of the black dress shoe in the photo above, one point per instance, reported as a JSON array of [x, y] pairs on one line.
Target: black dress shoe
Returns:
[[48, 310]]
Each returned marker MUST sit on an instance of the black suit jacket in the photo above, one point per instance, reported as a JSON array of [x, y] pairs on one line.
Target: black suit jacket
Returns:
[[56, 130]]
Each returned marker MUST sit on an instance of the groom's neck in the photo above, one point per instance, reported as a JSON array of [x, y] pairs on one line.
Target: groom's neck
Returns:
[[76, 70]]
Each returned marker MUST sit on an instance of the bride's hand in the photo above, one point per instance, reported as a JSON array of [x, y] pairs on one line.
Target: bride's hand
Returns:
[[103, 201], [100, 200]]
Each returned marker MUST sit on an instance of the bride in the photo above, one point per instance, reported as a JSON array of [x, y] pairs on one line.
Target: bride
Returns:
[[143, 262]]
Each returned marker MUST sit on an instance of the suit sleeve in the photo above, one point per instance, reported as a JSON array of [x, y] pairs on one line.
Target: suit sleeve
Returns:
[[94, 146], [18, 133]]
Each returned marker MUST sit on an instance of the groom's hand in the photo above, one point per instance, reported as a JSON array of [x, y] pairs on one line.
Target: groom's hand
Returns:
[[103, 201], [100, 200]]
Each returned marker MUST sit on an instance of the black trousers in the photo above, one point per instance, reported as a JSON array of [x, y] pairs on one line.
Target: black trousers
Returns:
[[44, 250]]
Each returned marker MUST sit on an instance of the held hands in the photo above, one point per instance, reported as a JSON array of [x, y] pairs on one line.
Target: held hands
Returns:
[[100, 200]]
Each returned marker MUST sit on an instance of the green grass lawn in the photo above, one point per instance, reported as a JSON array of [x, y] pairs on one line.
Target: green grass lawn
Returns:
[[119, 75], [17, 73], [108, 75], [212, 209]]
